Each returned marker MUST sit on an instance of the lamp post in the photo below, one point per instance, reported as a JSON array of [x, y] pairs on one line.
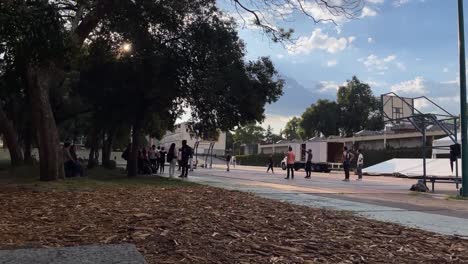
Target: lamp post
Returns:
[[461, 46]]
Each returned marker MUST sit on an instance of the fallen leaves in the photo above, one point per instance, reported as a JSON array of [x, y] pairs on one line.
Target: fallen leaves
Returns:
[[209, 225]]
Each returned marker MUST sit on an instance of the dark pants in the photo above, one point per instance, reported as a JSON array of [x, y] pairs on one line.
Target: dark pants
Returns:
[[308, 169], [185, 168], [346, 170], [73, 169], [290, 168], [154, 165], [270, 166], [359, 171], [161, 166]]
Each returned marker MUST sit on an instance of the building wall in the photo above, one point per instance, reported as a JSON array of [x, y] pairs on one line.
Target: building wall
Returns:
[[268, 149], [181, 132]]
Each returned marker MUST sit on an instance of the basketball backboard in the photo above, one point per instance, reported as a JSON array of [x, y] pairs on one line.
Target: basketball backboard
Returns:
[[394, 107]]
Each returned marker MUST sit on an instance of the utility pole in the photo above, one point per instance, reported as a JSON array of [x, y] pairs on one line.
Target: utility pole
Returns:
[[461, 46]]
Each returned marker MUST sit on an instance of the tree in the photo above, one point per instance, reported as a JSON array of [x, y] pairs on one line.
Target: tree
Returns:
[[262, 11], [271, 137], [51, 34], [293, 130], [356, 103], [248, 134], [321, 117]]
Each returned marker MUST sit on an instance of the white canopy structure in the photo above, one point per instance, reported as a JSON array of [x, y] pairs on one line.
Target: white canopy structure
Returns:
[[443, 142], [413, 167]]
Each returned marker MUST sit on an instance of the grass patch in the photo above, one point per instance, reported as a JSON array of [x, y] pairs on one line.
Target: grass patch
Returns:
[[97, 178], [457, 197]]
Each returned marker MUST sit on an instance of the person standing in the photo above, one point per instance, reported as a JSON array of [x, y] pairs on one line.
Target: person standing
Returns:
[[360, 164], [153, 158], [347, 158], [171, 159], [270, 164], [186, 153], [308, 167], [290, 159], [162, 160], [228, 160], [179, 158]]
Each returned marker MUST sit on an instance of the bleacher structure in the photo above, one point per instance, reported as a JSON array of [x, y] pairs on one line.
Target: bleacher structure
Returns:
[[400, 111]]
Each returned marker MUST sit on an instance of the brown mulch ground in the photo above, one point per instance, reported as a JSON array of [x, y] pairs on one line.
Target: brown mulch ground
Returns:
[[209, 225]]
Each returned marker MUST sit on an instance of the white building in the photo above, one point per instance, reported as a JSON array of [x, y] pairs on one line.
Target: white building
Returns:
[[182, 132]]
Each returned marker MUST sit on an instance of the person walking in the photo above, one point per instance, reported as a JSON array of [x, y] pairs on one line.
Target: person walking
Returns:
[[171, 159], [186, 153], [290, 159], [228, 160], [308, 166], [360, 164], [347, 158], [270, 164]]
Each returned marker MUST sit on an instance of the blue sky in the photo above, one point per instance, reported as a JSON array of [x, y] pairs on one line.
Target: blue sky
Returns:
[[406, 46]]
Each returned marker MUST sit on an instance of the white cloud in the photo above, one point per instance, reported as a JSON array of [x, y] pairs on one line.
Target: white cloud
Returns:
[[370, 40], [332, 63], [445, 69], [375, 1], [329, 86], [398, 3], [277, 122], [380, 65], [279, 56], [320, 12], [319, 41], [373, 62], [422, 104], [401, 66], [411, 87], [368, 12]]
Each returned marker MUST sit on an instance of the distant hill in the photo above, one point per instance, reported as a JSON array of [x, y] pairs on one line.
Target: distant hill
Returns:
[[296, 98]]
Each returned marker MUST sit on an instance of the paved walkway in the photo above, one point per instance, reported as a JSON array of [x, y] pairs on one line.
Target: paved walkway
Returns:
[[381, 198]]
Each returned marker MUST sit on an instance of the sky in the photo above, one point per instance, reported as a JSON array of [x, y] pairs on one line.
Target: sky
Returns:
[[409, 47]]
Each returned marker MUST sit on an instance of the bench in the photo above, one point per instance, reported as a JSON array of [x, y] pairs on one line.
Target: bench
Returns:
[[434, 179]]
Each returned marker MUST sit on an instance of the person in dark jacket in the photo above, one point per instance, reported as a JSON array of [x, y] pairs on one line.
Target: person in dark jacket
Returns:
[[270, 164], [308, 167], [162, 160], [186, 154]]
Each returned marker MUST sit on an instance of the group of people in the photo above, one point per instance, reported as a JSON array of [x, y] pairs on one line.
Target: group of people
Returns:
[[153, 160], [71, 163], [347, 158]]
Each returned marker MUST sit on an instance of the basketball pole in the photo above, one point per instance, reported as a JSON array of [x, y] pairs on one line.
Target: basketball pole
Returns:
[[461, 46]]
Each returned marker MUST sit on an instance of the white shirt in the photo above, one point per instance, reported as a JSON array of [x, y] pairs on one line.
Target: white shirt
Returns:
[[360, 159]]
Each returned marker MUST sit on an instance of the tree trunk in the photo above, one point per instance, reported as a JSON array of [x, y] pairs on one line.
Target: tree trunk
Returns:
[[107, 147], [133, 157], [40, 80], [11, 139], [94, 147], [27, 145]]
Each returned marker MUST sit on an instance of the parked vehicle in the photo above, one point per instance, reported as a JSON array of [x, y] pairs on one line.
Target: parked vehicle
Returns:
[[326, 155]]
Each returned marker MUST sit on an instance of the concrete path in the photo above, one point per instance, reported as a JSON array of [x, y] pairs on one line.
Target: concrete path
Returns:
[[95, 254], [381, 198]]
